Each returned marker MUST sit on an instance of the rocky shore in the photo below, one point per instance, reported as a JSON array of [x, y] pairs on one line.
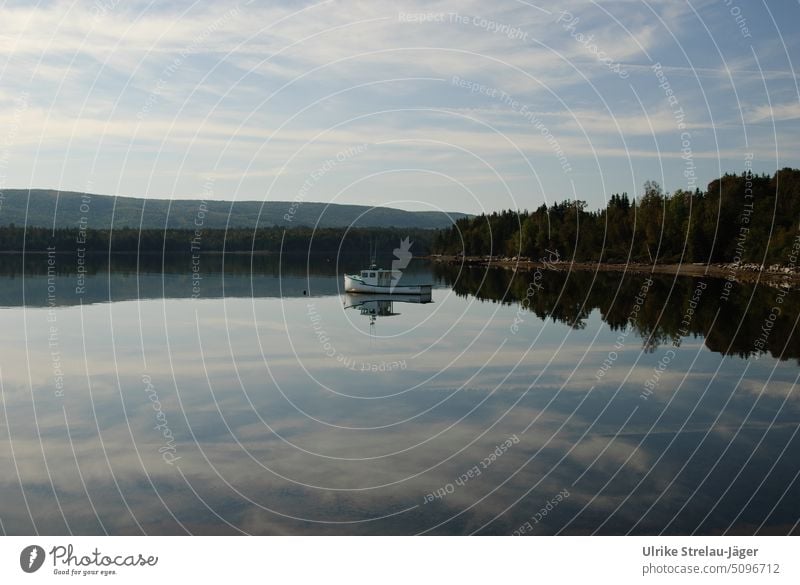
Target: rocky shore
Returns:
[[774, 274]]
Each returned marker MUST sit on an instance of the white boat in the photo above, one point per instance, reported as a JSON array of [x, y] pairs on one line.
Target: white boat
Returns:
[[377, 280]]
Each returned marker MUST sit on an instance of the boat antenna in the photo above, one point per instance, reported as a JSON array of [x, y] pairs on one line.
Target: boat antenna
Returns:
[[373, 253]]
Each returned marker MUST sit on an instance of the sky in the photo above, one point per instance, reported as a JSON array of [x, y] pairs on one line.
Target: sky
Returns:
[[464, 106]]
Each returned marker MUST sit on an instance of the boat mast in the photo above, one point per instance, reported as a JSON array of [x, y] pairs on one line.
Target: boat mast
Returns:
[[373, 253]]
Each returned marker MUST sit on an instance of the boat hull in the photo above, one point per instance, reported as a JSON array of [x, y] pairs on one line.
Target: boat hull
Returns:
[[357, 299], [356, 285]]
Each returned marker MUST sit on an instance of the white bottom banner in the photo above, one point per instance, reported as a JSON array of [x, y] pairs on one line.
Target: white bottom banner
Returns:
[[355, 560]]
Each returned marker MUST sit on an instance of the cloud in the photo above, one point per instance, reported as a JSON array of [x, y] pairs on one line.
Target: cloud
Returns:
[[774, 112], [209, 84]]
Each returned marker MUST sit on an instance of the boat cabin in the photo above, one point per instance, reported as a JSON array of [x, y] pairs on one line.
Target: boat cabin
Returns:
[[377, 277]]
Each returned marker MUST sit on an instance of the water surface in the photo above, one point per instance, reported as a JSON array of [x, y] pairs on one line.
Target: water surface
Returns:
[[251, 396]]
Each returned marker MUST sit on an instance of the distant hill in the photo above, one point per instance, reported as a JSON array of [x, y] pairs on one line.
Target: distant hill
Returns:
[[72, 207]]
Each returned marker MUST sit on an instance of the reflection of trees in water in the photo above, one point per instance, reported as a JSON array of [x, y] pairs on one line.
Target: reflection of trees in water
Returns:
[[121, 277], [571, 298], [294, 264]]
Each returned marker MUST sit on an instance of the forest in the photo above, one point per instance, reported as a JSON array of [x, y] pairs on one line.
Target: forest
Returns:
[[744, 218], [739, 218], [335, 241]]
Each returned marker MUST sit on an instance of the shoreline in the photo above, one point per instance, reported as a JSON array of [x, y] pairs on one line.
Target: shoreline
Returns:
[[739, 273]]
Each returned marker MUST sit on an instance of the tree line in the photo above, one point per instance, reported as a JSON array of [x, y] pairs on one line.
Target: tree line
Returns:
[[264, 240], [744, 217]]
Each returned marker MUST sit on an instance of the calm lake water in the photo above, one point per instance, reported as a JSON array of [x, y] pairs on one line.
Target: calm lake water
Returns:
[[255, 398]]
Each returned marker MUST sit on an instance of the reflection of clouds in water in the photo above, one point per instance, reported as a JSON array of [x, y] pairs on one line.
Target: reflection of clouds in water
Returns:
[[772, 389], [559, 402], [262, 486]]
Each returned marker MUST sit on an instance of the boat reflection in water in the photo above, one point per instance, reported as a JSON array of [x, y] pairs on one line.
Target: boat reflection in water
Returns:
[[375, 306]]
